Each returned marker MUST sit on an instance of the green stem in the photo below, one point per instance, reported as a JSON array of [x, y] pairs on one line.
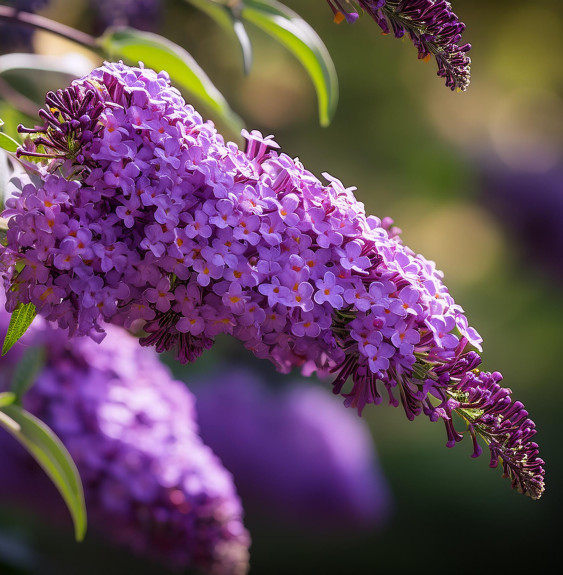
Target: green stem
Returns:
[[10, 14]]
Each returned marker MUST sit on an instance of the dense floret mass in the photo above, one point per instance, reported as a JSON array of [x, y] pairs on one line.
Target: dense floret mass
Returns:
[[150, 483], [151, 219]]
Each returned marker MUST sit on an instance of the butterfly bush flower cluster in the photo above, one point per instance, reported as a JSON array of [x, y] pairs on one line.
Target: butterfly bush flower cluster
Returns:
[[297, 457], [149, 218], [431, 25], [150, 482]]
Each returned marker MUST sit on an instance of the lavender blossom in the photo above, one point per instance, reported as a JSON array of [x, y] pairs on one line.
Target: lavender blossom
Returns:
[[431, 25], [150, 483], [296, 456], [155, 222]]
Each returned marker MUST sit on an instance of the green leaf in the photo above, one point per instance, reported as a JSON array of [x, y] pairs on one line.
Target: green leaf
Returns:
[[27, 369], [52, 455], [21, 319], [161, 54], [8, 143], [7, 398], [296, 35], [228, 17]]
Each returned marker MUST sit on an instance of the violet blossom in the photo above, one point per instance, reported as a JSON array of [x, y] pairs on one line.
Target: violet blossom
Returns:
[[150, 483], [431, 25], [316, 253]]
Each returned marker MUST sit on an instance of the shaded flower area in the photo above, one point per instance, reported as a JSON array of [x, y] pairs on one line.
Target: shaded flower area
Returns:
[[297, 457], [431, 25], [150, 482], [140, 214]]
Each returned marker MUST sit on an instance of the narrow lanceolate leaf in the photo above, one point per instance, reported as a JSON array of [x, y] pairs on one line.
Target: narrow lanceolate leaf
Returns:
[[228, 17], [8, 143], [53, 457], [296, 35], [161, 54], [21, 319], [27, 369]]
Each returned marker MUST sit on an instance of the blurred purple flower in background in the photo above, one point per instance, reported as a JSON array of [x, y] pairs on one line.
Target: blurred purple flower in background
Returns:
[[295, 454], [14, 37], [150, 482], [530, 206], [141, 14]]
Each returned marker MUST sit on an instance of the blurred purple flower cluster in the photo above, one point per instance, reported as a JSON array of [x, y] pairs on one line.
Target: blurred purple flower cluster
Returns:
[[296, 456], [14, 37], [141, 14], [142, 215], [431, 25], [530, 206], [150, 482]]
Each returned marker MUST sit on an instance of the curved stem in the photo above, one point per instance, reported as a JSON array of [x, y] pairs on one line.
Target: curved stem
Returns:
[[10, 14]]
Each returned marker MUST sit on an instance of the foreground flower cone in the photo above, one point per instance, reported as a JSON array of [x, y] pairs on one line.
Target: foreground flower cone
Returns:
[[142, 215]]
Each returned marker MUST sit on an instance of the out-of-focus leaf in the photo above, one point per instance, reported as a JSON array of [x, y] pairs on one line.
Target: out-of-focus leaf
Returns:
[[161, 54], [228, 17], [7, 398], [296, 35], [71, 65], [21, 319], [8, 143], [29, 366], [52, 455], [25, 78]]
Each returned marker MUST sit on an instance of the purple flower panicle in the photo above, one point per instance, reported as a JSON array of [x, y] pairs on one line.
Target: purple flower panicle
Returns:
[[160, 223], [150, 482], [432, 27]]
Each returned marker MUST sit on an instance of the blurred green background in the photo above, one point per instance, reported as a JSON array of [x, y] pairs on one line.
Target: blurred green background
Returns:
[[420, 154]]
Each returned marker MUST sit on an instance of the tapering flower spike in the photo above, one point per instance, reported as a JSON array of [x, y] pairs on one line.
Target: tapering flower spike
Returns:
[[165, 226], [431, 25]]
